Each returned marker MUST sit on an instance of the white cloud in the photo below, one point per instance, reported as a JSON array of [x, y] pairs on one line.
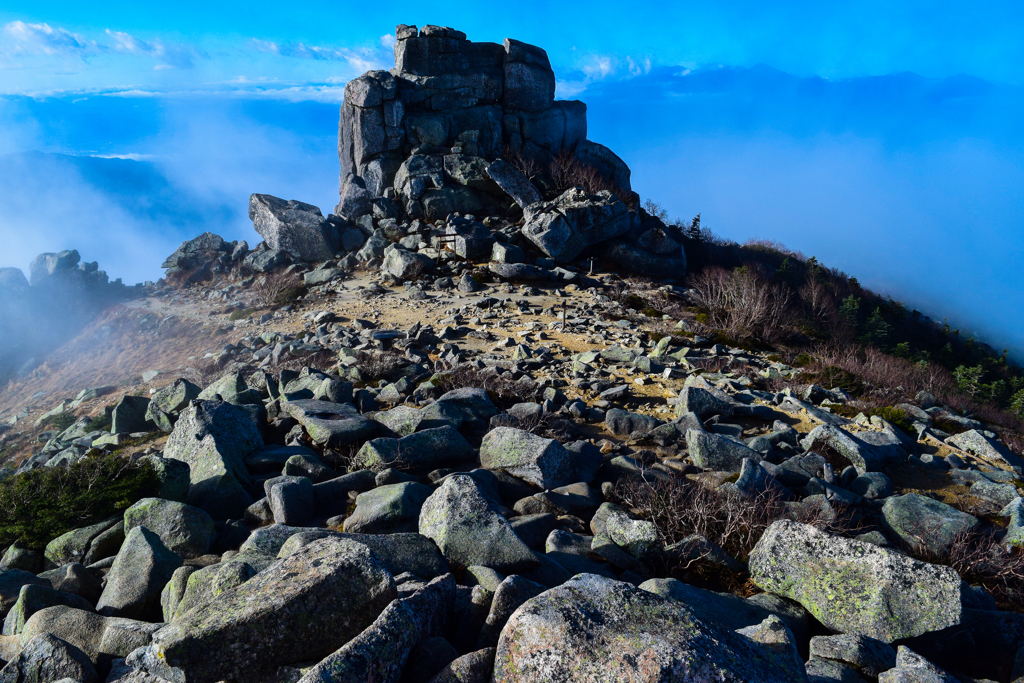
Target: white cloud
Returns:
[[41, 39], [362, 59], [171, 55], [387, 41], [600, 66]]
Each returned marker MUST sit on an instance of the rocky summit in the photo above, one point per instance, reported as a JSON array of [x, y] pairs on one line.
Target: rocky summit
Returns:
[[478, 425]]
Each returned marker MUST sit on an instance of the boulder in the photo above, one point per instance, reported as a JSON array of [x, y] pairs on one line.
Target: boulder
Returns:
[[976, 443], [731, 611], [299, 609], [292, 501], [469, 409], [11, 583], [543, 462], [628, 258], [469, 530], [864, 456], [140, 571], [702, 403], [331, 424], [925, 524], [637, 537], [474, 667], [165, 405], [214, 437], [512, 181], [716, 452], [388, 509], [379, 653], [48, 659], [867, 655], [624, 423], [597, 629], [183, 529], [510, 594], [195, 254], [100, 638], [607, 164], [297, 228], [423, 451], [74, 578], [564, 227], [856, 587], [129, 415], [34, 598], [913, 668], [404, 264]]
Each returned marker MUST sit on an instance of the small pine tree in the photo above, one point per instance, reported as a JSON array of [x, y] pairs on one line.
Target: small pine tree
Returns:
[[969, 379], [1017, 404], [849, 310], [879, 331]]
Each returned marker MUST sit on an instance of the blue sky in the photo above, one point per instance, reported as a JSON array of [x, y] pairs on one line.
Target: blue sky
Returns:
[[882, 137]]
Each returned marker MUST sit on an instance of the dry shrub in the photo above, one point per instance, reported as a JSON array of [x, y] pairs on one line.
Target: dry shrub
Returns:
[[377, 365], [680, 508], [566, 172], [270, 289], [744, 302], [502, 389], [981, 561], [526, 165]]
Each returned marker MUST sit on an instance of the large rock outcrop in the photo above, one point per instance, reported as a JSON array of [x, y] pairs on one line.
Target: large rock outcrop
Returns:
[[424, 133]]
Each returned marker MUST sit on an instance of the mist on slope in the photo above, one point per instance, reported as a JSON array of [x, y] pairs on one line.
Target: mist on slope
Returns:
[[912, 185], [128, 197]]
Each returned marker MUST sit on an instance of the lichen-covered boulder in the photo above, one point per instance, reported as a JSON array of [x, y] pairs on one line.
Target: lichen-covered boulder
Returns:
[[99, 637], [592, 629], [301, 608], [855, 587], [388, 509], [11, 582], [716, 452], [140, 571], [468, 528], [913, 668], [863, 455], [423, 451], [183, 529], [165, 405], [534, 459], [379, 653], [925, 523], [331, 424], [34, 598], [46, 659], [731, 611], [867, 655], [74, 545], [214, 437]]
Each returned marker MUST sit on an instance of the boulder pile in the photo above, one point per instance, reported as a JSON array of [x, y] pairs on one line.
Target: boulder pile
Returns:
[[579, 491]]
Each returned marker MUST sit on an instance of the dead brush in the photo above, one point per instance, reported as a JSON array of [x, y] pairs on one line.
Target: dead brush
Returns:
[[500, 387], [374, 366], [269, 289], [680, 508]]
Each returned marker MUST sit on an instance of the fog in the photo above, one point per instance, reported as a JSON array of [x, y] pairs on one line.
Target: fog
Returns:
[[914, 186]]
